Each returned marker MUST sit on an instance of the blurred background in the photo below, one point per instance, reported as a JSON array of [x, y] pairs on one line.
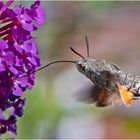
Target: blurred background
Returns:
[[52, 109]]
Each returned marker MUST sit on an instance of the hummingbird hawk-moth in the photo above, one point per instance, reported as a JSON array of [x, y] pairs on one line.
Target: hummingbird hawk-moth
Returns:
[[111, 85]]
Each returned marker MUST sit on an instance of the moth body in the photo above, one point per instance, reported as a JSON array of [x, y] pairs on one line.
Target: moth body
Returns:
[[114, 85]]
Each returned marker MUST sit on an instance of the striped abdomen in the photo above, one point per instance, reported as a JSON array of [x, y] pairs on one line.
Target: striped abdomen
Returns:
[[131, 81]]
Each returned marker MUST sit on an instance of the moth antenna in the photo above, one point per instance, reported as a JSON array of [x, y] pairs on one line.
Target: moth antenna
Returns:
[[77, 53], [61, 61], [87, 45]]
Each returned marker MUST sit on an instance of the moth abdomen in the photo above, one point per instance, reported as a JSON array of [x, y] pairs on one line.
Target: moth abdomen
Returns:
[[132, 82]]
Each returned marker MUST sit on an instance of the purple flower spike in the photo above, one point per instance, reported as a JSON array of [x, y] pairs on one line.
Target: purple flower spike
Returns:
[[18, 59]]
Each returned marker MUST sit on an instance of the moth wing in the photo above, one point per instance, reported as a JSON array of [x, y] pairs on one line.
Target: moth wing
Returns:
[[106, 75], [89, 94], [108, 99], [125, 96], [100, 97]]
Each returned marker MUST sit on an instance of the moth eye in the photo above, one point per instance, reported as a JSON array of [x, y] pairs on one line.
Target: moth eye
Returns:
[[83, 67]]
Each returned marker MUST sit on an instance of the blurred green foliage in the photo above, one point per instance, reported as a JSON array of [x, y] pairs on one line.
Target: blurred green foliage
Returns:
[[132, 125]]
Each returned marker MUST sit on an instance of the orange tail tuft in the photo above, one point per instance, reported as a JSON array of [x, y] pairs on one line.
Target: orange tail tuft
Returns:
[[126, 96]]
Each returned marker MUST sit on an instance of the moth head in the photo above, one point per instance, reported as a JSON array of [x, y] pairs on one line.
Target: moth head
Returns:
[[85, 65], [81, 65]]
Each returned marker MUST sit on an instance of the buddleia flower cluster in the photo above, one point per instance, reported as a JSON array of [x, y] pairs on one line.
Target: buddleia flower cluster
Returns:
[[18, 59]]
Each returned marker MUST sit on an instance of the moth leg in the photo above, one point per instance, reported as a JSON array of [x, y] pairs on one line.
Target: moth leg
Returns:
[[126, 96]]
